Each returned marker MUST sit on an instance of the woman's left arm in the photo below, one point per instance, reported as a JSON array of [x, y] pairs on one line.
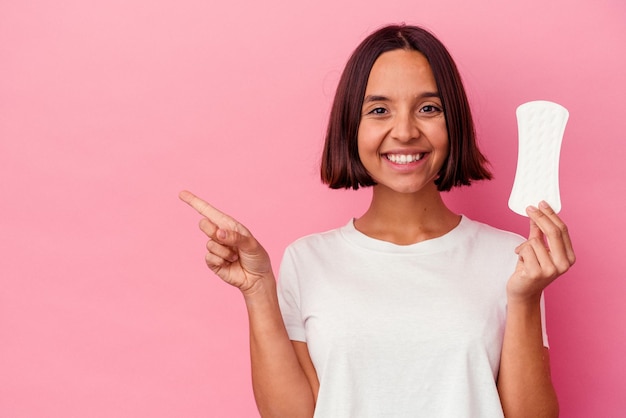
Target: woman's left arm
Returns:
[[524, 382]]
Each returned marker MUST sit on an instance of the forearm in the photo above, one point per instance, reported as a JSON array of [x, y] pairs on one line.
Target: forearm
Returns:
[[524, 381], [281, 388]]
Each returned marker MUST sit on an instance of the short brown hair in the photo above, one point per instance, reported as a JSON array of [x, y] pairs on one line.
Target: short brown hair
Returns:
[[341, 166]]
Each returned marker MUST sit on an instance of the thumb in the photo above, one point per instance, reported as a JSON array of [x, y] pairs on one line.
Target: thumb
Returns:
[[235, 239], [535, 231]]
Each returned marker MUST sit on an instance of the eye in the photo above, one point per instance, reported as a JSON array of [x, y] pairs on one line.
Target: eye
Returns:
[[430, 109], [377, 111]]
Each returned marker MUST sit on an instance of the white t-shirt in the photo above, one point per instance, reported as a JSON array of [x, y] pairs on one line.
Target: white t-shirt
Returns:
[[401, 331]]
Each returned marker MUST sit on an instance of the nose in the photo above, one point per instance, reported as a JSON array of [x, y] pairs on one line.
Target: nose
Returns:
[[405, 127]]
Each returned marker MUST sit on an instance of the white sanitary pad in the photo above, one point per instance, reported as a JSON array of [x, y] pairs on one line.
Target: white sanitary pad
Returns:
[[541, 125]]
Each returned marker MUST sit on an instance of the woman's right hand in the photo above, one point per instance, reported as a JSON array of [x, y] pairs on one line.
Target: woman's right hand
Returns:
[[233, 253], [281, 386]]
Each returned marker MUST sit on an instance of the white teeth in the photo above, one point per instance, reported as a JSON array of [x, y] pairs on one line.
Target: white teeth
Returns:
[[403, 158]]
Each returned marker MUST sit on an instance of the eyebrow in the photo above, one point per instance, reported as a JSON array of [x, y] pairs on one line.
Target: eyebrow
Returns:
[[376, 98]]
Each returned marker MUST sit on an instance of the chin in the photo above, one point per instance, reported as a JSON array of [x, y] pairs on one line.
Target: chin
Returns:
[[410, 188]]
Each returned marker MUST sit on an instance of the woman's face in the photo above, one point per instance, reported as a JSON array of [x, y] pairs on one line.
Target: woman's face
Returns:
[[402, 137]]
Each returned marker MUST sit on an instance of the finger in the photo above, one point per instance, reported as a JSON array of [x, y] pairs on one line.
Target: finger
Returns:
[[557, 236], [204, 208], [234, 239], [215, 263], [228, 238], [554, 236], [567, 241], [208, 227], [535, 231], [226, 253], [549, 229], [213, 246], [544, 259], [528, 260]]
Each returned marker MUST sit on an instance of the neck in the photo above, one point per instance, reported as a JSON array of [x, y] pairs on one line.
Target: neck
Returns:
[[406, 218]]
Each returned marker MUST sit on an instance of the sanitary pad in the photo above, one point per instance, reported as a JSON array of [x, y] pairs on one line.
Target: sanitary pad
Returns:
[[541, 125]]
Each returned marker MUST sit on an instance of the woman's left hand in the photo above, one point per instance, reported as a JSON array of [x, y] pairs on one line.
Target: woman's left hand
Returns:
[[546, 255]]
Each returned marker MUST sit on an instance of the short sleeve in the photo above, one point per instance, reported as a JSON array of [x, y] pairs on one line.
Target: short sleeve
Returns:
[[289, 298]]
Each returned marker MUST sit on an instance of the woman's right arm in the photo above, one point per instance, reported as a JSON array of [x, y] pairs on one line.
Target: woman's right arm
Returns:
[[280, 385]]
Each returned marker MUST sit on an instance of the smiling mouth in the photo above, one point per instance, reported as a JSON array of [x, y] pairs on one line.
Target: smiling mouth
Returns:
[[404, 158]]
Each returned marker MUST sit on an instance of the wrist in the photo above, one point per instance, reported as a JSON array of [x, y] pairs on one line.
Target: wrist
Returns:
[[522, 294], [263, 289], [524, 300], [524, 307]]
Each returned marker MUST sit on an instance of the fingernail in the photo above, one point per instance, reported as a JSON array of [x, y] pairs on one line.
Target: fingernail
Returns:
[[221, 234], [543, 204], [531, 209]]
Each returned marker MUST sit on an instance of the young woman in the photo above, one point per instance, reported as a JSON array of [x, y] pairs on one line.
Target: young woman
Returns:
[[410, 310]]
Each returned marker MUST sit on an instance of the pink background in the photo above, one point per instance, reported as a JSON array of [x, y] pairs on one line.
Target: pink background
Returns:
[[109, 108]]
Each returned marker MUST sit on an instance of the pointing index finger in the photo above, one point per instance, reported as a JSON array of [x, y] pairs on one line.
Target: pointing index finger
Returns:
[[205, 209]]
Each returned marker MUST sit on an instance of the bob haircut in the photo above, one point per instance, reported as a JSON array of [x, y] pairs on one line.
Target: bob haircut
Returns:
[[341, 166]]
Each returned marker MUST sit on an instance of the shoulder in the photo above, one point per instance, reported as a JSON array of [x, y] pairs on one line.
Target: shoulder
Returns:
[[490, 234], [319, 240], [312, 253], [494, 247]]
